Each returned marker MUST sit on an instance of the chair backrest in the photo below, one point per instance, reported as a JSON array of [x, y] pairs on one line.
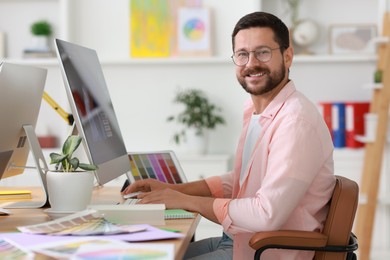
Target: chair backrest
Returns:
[[339, 222]]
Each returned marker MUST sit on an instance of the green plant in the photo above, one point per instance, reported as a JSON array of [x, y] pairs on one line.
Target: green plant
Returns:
[[68, 163], [198, 113], [378, 75], [41, 28]]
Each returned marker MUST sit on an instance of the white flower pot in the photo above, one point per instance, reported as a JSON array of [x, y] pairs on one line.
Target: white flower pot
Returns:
[[69, 191], [195, 144], [40, 43]]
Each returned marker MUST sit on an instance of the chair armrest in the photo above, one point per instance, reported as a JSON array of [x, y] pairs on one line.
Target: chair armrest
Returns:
[[288, 238]]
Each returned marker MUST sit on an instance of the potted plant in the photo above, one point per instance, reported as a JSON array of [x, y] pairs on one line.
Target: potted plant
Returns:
[[69, 189], [41, 31], [198, 117]]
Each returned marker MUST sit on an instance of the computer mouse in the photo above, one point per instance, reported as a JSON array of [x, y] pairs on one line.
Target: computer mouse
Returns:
[[125, 184]]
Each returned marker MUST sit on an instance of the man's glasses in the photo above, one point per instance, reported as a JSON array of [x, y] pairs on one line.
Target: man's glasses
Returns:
[[264, 54]]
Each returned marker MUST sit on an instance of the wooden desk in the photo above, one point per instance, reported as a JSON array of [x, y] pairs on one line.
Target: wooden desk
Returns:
[[102, 195]]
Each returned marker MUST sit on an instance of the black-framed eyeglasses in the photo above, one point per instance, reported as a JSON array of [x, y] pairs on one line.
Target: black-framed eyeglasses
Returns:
[[263, 54]]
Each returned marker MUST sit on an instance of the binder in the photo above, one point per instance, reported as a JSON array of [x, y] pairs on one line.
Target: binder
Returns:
[[326, 112], [354, 122], [338, 124]]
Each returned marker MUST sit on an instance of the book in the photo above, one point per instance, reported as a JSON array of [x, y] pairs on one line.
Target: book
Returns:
[[32, 53], [178, 214], [15, 194], [354, 122]]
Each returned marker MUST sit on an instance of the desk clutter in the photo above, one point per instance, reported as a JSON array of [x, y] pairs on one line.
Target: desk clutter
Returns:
[[87, 233]]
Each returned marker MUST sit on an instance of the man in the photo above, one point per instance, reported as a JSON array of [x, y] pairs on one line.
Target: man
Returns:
[[283, 173]]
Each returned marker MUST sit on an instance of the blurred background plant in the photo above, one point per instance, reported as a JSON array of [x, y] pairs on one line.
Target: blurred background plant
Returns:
[[199, 114]]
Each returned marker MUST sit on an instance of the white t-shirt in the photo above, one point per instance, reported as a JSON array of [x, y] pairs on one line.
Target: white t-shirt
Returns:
[[252, 135]]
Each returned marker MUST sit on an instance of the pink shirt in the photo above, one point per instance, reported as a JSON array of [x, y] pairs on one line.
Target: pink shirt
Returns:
[[288, 180]]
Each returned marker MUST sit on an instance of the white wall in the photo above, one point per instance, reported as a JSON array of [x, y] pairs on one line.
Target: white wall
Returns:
[[142, 92], [108, 31]]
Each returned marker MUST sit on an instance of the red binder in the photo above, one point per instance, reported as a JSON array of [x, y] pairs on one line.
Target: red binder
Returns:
[[354, 116], [326, 111]]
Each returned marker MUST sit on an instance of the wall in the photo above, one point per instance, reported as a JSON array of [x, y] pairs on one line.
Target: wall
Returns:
[[149, 85]]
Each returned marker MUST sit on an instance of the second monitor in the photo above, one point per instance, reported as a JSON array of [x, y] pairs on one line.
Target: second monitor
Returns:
[[93, 111]]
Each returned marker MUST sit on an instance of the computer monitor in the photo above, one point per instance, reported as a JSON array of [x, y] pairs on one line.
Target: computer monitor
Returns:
[[21, 89], [93, 111]]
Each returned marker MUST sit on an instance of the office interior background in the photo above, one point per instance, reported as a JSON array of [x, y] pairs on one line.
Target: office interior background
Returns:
[[143, 89]]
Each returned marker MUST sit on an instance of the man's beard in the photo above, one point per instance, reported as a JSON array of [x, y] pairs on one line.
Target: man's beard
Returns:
[[272, 81]]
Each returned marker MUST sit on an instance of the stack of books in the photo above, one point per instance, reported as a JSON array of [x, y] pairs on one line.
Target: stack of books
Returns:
[[38, 53]]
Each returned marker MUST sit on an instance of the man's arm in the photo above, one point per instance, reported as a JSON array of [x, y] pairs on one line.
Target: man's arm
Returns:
[[193, 196]]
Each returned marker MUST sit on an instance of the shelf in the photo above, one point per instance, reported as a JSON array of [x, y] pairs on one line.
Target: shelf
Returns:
[[300, 59], [383, 200], [327, 58], [373, 86]]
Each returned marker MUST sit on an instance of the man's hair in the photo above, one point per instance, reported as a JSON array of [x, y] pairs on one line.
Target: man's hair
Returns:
[[263, 19]]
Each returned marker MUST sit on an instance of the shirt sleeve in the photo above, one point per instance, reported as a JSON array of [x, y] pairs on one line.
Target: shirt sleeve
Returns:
[[220, 187]]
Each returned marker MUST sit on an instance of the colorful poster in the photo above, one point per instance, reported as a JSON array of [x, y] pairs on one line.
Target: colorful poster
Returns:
[[194, 31], [150, 28]]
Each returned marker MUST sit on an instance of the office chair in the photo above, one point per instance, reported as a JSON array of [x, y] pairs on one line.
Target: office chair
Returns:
[[335, 242]]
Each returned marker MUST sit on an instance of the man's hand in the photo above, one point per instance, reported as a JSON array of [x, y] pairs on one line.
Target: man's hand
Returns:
[[169, 197], [146, 186]]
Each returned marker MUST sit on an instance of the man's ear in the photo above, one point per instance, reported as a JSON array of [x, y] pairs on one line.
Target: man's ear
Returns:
[[288, 56]]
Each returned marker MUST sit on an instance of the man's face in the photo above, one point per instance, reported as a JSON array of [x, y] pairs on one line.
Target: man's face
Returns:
[[257, 77]]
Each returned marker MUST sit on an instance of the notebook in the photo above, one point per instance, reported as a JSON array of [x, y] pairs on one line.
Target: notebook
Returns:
[[178, 213]]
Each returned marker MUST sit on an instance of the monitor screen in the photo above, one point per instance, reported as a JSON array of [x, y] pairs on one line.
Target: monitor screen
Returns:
[[21, 90], [92, 109]]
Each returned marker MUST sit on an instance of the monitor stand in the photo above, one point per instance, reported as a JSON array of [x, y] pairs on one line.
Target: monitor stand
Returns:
[[42, 168]]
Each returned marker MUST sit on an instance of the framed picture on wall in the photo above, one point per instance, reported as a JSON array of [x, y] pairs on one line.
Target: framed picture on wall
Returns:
[[193, 31], [352, 38]]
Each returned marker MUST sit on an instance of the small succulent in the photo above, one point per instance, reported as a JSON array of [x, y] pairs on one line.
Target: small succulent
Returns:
[[69, 163]]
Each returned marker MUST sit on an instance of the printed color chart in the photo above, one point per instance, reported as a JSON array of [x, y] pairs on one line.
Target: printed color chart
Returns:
[[160, 166]]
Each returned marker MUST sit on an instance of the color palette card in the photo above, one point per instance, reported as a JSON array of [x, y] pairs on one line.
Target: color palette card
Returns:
[[10, 250], [84, 223], [157, 165], [101, 248]]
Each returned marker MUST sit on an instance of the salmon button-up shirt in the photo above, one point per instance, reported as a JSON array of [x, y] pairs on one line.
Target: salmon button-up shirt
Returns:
[[288, 180]]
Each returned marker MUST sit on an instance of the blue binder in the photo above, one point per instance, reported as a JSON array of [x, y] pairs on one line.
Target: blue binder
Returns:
[[338, 124]]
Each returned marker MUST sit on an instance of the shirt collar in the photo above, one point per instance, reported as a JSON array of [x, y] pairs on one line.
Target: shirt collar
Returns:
[[272, 109]]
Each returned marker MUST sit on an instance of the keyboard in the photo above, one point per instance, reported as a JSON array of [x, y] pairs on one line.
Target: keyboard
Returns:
[[131, 201]]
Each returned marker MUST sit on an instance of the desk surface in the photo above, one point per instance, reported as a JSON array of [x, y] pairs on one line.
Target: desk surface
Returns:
[[102, 195]]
